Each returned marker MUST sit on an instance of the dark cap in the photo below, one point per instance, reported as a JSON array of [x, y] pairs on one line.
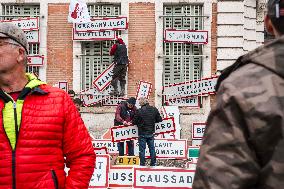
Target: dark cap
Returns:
[[132, 100], [8, 30], [275, 8]]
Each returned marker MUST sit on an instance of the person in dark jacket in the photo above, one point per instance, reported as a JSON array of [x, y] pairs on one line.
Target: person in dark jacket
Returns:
[[145, 119], [243, 144], [119, 51], [123, 116]]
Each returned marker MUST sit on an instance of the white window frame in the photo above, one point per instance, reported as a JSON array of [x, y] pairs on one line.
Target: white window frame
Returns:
[[206, 62], [77, 45]]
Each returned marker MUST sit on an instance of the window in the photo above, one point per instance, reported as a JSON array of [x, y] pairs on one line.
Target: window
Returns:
[[182, 61], [14, 11], [96, 58]]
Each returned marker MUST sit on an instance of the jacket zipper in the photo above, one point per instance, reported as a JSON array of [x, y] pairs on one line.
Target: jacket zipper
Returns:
[[14, 150], [54, 178]]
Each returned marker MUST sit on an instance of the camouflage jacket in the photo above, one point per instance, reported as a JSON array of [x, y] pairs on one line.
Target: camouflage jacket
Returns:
[[243, 145]]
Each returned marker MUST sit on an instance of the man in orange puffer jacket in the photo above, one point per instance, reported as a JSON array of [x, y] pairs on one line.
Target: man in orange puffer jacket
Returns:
[[39, 126]]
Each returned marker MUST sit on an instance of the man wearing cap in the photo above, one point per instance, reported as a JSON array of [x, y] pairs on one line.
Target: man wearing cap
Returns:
[[119, 51], [124, 114], [41, 130], [243, 144]]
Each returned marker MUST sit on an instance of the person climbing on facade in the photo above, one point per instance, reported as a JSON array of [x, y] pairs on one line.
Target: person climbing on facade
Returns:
[[119, 51]]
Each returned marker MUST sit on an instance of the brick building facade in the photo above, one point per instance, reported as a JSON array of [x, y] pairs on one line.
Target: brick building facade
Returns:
[[234, 27]]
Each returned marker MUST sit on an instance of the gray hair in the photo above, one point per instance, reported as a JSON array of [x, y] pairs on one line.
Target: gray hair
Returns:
[[17, 44], [143, 101]]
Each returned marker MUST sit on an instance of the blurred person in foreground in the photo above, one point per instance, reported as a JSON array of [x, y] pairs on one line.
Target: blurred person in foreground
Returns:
[[243, 145], [40, 126]]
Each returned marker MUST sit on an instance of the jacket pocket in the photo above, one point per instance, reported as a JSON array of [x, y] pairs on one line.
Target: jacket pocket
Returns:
[[54, 178]]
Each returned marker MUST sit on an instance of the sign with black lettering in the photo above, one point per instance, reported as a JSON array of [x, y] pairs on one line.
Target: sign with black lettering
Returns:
[[111, 146], [144, 89], [127, 160], [32, 36], [35, 60], [94, 36], [26, 24], [191, 102], [186, 36], [172, 111], [205, 86], [100, 177], [104, 79], [123, 133], [101, 151], [120, 177], [93, 96], [166, 126], [198, 130], [163, 178], [113, 101], [166, 149], [102, 24]]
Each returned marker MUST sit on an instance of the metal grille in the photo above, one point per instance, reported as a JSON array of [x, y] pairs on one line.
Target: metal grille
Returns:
[[96, 56], [101, 10], [182, 61], [12, 11]]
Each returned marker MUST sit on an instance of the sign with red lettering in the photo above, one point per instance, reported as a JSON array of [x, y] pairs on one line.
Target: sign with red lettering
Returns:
[[121, 177], [35, 60], [186, 36], [111, 146], [94, 36], [198, 130], [202, 87], [104, 79], [123, 133], [26, 24], [100, 177], [102, 24], [166, 149], [78, 12], [173, 178]]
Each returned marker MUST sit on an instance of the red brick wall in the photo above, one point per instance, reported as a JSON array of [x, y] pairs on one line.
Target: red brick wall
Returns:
[[213, 46], [214, 39], [59, 45], [142, 43]]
